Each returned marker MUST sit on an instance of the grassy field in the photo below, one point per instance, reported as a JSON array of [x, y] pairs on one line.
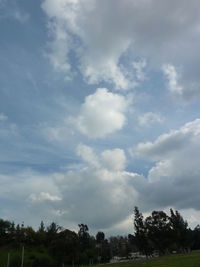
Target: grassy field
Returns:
[[189, 260], [29, 256]]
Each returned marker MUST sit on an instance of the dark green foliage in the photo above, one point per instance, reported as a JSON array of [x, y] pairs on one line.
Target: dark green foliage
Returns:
[[52, 231], [15, 261], [42, 262], [52, 245], [159, 231], [196, 238], [162, 232], [106, 254], [100, 236], [84, 236], [181, 234], [65, 247], [6, 228], [141, 233]]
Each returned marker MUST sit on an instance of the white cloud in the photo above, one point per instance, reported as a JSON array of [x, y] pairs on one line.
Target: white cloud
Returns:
[[114, 159], [43, 196], [173, 79], [174, 179], [102, 193], [192, 216], [110, 159], [101, 114], [100, 38], [171, 143], [150, 118], [21, 191], [99, 194], [87, 154], [78, 26]]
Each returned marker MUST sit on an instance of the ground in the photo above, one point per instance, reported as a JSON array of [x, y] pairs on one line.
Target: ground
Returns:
[[188, 260]]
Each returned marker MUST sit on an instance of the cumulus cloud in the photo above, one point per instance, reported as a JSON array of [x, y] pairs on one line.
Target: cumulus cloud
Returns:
[[101, 39], [21, 197], [101, 114], [174, 178], [71, 30], [114, 159], [88, 155], [175, 141], [172, 181], [102, 193], [99, 194]]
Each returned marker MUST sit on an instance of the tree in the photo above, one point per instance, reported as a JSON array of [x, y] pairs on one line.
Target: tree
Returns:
[[41, 227], [83, 235], [30, 236], [132, 243], [141, 233], [105, 253], [181, 233], [52, 231], [5, 227], [100, 236], [196, 237], [64, 248], [42, 234], [159, 230]]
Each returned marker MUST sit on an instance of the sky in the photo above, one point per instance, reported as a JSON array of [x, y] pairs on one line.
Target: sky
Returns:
[[99, 111]]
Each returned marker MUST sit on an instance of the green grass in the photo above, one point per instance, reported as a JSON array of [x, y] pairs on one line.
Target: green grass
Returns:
[[29, 255], [189, 260]]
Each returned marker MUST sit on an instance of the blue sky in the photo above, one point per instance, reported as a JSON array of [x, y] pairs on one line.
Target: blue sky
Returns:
[[99, 111]]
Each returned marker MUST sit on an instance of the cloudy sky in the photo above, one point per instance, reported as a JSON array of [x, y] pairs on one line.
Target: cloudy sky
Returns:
[[99, 111]]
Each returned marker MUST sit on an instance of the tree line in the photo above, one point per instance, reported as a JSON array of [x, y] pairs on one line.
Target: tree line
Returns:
[[158, 232], [163, 233]]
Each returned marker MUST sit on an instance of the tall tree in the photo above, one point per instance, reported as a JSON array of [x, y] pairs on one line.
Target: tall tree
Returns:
[[100, 236], [83, 235], [141, 232], [64, 247], [181, 233], [159, 230]]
